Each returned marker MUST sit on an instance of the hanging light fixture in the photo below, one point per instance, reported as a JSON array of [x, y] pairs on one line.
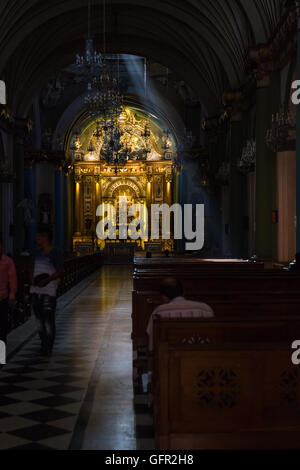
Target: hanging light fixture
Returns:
[[105, 98], [91, 62], [248, 159], [279, 133]]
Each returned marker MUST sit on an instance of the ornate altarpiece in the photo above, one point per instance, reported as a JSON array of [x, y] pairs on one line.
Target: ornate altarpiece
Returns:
[[150, 181]]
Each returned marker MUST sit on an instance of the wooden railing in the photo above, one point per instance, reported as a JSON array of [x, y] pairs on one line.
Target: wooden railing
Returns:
[[75, 270]]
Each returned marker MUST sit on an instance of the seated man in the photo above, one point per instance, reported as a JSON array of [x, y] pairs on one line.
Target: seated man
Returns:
[[176, 306]]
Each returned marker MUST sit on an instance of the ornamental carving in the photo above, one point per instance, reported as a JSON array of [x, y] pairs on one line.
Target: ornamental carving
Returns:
[[289, 387], [218, 388], [196, 338]]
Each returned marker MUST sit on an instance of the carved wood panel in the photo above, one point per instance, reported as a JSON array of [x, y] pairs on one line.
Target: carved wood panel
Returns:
[[218, 387]]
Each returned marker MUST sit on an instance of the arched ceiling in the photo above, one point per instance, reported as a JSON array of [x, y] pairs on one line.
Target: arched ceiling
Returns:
[[204, 41]]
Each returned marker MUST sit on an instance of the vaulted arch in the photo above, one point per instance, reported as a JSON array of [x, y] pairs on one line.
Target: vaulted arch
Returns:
[[204, 41]]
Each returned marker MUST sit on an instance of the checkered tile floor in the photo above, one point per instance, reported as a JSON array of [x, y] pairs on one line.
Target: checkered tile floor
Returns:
[[41, 399], [144, 424]]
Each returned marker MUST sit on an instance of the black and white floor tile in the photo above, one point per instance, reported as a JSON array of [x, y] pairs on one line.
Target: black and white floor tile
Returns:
[[82, 397]]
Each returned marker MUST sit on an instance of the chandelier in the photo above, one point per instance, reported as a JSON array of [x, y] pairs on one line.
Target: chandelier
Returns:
[[104, 99], [91, 62], [278, 135], [248, 159], [114, 152]]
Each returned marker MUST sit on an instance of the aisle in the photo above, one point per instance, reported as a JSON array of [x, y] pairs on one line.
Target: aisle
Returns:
[[82, 397]]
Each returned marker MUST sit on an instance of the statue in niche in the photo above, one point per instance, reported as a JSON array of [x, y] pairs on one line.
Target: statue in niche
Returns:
[[27, 206], [45, 209]]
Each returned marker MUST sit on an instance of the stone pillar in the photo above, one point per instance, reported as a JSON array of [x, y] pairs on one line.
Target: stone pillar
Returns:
[[236, 189], [68, 213], [30, 193], [267, 102], [19, 193], [59, 209]]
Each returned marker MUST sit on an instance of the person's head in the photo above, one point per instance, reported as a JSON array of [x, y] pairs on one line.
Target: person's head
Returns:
[[170, 288], [44, 237]]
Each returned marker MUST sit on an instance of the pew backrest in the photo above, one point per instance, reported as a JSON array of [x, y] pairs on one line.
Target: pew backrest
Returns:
[[224, 390]]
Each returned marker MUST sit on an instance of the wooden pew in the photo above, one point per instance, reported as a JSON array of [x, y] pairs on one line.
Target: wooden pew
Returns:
[[226, 384], [248, 290]]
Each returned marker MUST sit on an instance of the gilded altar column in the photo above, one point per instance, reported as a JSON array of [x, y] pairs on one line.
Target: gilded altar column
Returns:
[[98, 187], [169, 183], [149, 197], [98, 200], [77, 209]]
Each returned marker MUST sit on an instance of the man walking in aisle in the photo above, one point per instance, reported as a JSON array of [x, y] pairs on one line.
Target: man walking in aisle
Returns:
[[48, 269]]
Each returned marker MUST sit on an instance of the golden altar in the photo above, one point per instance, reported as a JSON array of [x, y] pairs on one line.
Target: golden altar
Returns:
[[148, 181]]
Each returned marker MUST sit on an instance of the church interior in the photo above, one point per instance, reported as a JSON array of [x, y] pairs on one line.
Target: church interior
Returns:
[[167, 103]]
